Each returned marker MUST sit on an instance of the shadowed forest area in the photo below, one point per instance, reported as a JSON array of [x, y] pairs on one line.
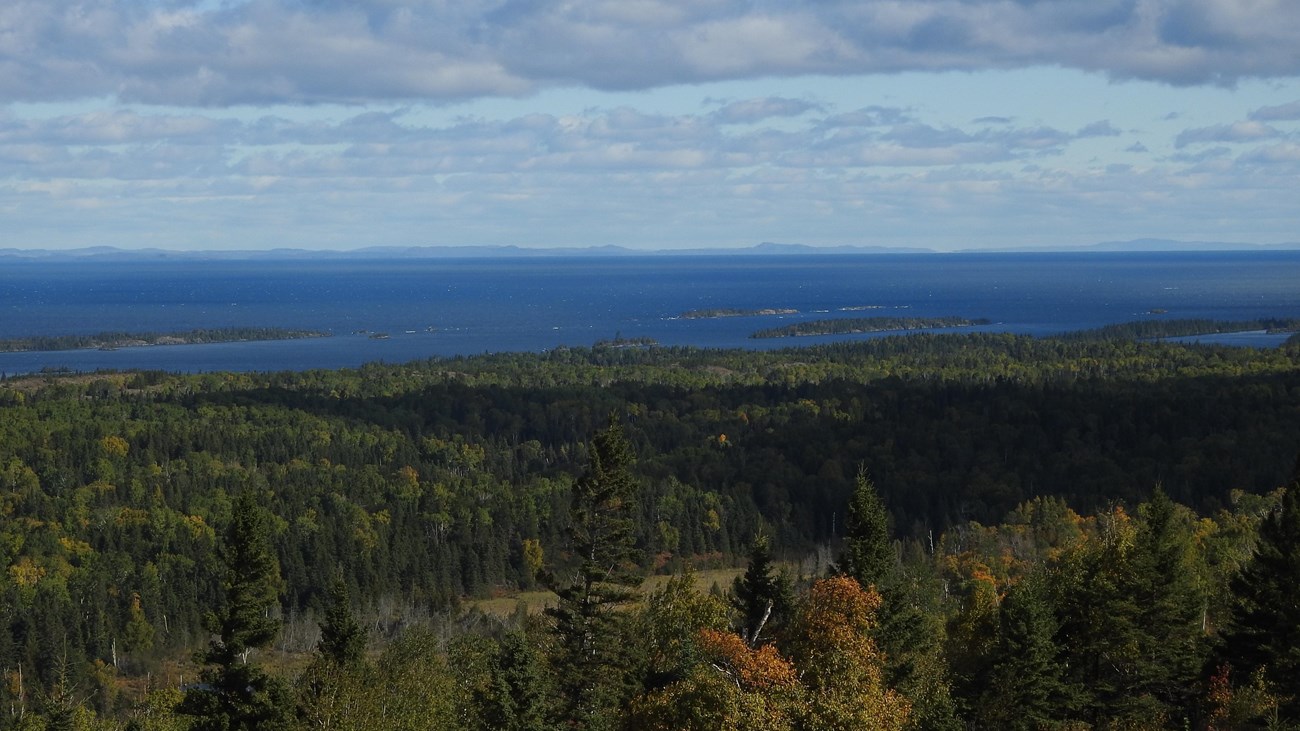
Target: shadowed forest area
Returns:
[[931, 531]]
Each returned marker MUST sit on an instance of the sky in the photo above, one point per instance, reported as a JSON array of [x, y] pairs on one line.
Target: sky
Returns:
[[656, 124]]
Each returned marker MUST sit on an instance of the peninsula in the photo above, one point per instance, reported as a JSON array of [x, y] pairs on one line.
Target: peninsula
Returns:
[[854, 325], [115, 340]]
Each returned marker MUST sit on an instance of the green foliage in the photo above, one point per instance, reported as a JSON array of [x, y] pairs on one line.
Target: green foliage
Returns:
[[762, 597], [235, 694], [342, 638], [425, 485], [1023, 688], [1264, 633], [587, 626], [868, 555]]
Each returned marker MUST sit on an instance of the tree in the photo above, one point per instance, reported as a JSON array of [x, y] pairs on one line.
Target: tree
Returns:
[[342, 638], [868, 555], [601, 537], [762, 597], [1171, 607], [840, 665], [1023, 687], [907, 632], [234, 694], [1263, 634]]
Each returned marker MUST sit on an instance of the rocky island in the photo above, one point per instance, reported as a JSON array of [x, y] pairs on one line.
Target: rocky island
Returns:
[[731, 312]]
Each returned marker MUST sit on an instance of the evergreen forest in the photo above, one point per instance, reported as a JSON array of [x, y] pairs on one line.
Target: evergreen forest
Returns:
[[922, 531]]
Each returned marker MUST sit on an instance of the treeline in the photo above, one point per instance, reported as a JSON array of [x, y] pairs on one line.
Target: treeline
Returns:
[[127, 339], [1151, 618], [1148, 329], [420, 485], [853, 325]]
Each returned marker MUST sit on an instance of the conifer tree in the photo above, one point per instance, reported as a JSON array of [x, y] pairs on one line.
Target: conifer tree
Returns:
[[762, 596], [342, 638], [602, 541], [235, 694], [868, 553], [1171, 606], [907, 633], [1264, 631], [1023, 688]]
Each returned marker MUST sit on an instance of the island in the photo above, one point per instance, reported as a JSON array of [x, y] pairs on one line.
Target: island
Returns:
[[619, 341], [731, 312], [857, 325], [115, 340]]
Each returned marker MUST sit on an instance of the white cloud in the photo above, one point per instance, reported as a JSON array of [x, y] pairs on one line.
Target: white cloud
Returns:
[[284, 51]]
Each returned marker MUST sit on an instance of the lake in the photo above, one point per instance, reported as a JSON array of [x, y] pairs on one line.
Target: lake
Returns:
[[438, 307]]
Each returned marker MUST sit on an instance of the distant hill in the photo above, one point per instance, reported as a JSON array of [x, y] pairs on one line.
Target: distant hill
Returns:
[[510, 251], [1154, 245]]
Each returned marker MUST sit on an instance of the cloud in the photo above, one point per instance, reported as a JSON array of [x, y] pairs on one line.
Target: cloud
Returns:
[[1279, 113], [757, 110], [1102, 128], [1236, 132], [289, 52]]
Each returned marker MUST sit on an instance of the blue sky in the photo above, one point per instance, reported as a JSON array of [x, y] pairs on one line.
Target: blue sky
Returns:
[[946, 124]]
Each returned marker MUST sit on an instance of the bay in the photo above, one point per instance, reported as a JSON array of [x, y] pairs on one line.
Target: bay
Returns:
[[442, 307]]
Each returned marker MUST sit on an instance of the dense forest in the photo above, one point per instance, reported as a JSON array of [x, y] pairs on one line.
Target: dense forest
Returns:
[[929, 531]]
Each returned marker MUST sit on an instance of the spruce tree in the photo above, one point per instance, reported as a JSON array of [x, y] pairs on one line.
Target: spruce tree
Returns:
[[868, 554], [235, 694], [601, 538], [1264, 630], [908, 633], [342, 638], [762, 596], [1024, 689], [1171, 606]]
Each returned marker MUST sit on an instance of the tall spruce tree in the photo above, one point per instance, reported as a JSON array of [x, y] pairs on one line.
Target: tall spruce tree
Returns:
[[908, 632], [342, 638], [1023, 688], [868, 553], [602, 541], [234, 694], [1264, 631], [762, 596], [1171, 606]]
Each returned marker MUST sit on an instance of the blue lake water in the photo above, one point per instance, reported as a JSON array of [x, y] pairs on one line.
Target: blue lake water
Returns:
[[492, 305]]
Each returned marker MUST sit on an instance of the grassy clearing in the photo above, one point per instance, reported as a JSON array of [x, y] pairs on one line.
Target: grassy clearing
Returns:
[[536, 601]]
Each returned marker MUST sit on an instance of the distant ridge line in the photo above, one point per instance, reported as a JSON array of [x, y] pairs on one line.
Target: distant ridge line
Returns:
[[1149, 245]]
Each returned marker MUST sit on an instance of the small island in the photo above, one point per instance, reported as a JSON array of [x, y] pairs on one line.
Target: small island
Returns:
[[858, 325], [115, 340], [731, 312], [619, 341]]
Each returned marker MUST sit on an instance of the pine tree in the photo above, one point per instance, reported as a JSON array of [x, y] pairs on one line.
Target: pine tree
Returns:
[[342, 638], [1023, 688], [235, 694], [602, 540], [868, 554], [762, 596], [1171, 606], [1264, 631], [908, 632]]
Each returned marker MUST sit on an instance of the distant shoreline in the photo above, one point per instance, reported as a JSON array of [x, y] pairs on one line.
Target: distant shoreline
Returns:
[[861, 325], [116, 340], [766, 249]]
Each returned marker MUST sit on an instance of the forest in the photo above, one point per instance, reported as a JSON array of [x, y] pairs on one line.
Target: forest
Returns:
[[924, 531]]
